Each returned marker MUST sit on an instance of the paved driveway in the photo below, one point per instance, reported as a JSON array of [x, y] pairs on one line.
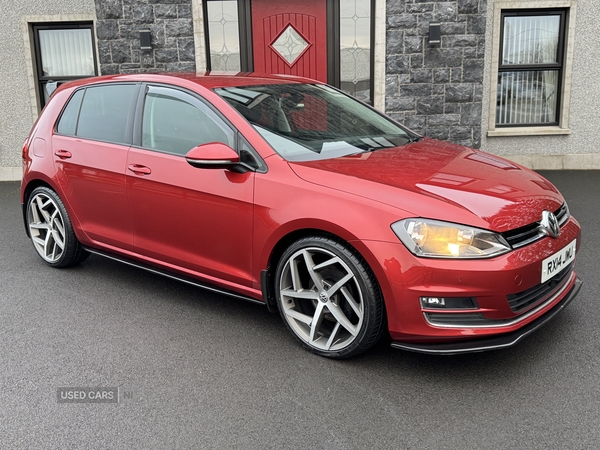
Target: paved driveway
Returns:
[[199, 370]]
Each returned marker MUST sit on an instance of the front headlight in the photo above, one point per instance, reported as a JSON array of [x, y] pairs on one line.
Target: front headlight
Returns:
[[435, 239]]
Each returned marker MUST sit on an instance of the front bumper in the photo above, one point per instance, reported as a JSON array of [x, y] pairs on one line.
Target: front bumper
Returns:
[[496, 342], [509, 299]]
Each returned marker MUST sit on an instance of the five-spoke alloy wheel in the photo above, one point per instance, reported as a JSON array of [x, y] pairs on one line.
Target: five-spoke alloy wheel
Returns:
[[50, 229], [328, 297]]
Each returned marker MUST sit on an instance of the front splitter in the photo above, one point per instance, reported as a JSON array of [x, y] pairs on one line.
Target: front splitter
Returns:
[[492, 343]]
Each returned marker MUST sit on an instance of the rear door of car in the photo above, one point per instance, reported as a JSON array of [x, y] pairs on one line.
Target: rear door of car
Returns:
[[90, 147], [196, 220]]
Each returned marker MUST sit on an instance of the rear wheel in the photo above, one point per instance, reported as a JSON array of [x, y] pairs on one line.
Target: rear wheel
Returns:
[[329, 298], [51, 231]]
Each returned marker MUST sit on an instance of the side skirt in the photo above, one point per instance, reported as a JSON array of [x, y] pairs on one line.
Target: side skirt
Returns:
[[164, 273]]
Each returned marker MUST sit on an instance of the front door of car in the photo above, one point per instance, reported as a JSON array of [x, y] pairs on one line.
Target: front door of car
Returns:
[[192, 219]]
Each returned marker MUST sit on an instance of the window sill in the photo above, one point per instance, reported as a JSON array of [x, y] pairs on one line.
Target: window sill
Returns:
[[528, 131]]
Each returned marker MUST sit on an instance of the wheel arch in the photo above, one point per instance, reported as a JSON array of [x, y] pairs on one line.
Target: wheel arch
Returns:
[[268, 274], [26, 193]]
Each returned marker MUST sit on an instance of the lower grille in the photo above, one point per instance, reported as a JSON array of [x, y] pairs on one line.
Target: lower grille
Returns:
[[462, 320], [531, 297]]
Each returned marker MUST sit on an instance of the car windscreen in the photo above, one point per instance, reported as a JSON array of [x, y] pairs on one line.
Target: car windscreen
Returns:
[[308, 122]]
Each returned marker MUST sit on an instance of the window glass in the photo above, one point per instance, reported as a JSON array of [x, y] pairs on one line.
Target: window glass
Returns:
[[105, 113], [68, 119], [531, 40], [305, 122], [176, 122], [528, 97], [355, 48], [224, 36], [530, 69], [67, 52]]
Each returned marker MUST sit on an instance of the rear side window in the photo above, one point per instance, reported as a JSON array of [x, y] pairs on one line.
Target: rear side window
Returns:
[[68, 119], [106, 112]]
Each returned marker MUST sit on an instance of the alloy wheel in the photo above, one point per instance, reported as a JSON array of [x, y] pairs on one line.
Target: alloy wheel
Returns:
[[321, 299], [46, 227]]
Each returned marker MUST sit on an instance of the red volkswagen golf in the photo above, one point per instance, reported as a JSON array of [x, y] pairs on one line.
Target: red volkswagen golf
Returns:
[[287, 192]]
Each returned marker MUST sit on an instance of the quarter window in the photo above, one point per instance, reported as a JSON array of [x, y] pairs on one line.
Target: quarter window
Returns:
[[175, 122], [68, 119]]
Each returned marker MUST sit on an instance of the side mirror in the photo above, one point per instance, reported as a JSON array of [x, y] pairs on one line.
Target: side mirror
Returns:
[[214, 155]]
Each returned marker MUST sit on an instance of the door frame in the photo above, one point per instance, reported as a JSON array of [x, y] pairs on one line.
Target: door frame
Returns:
[[377, 58]]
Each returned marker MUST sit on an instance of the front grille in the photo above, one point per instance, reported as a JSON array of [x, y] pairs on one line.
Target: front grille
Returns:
[[530, 297], [531, 233]]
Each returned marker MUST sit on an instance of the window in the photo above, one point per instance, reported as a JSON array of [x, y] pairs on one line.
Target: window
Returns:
[[355, 48], [531, 73], [175, 122], [102, 113], [223, 33], [64, 51], [304, 122], [68, 119]]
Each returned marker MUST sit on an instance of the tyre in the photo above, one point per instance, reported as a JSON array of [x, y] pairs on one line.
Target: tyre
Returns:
[[51, 231], [329, 298]]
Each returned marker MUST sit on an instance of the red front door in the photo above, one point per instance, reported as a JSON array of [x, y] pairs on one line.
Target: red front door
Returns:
[[290, 37]]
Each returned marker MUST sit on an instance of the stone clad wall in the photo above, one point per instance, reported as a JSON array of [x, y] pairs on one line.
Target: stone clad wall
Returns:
[[436, 89], [170, 22]]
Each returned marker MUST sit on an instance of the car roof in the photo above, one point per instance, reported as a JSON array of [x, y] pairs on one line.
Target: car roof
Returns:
[[209, 80]]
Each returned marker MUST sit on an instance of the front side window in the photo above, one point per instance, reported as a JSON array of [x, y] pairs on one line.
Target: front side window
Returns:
[[175, 122], [305, 122], [530, 68], [64, 51]]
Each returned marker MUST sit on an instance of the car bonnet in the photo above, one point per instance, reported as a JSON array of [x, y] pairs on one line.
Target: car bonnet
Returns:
[[440, 180]]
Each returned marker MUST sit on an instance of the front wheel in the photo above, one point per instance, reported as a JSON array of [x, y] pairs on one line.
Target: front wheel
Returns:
[[51, 231], [329, 298]]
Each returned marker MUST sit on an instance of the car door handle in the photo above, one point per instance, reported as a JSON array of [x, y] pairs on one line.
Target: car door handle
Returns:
[[63, 154], [138, 169]]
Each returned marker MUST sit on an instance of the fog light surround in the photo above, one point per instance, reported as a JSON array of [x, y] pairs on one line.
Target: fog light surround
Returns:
[[448, 303]]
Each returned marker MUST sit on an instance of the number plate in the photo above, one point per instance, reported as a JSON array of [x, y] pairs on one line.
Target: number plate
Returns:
[[558, 262]]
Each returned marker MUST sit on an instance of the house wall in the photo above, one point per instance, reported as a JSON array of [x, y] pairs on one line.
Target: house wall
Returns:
[[441, 90], [171, 26], [579, 149], [18, 108], [437, 89]]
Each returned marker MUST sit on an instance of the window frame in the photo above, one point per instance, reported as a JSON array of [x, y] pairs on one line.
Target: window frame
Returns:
[[138, 124], [129, 127], [514, 8], [41, 79], [557, 66], [184, 97]]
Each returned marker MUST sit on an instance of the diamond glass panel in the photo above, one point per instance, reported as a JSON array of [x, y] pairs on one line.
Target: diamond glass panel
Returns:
[[290, 45]]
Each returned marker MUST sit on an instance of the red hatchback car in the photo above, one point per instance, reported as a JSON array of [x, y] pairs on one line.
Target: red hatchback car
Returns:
[[287, 192]]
